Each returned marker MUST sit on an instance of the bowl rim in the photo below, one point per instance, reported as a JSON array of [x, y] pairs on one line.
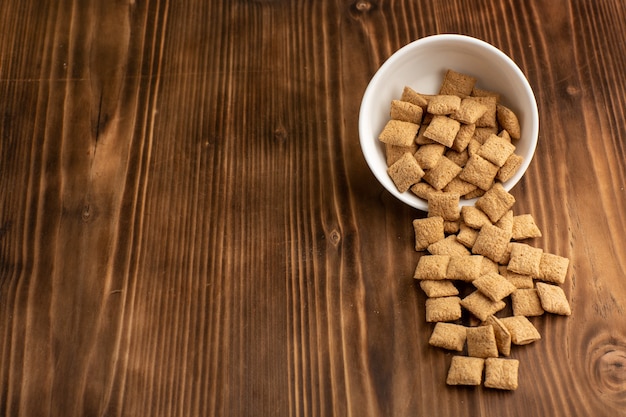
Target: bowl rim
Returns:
[[364, 138]]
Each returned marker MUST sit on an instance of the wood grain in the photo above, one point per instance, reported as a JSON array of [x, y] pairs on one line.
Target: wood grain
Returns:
[[188, 227]]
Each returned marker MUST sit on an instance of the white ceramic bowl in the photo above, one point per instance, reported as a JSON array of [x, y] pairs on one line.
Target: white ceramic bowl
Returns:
[[421, 65]]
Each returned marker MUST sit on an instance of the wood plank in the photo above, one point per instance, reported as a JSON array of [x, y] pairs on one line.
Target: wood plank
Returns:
[[188, 227]]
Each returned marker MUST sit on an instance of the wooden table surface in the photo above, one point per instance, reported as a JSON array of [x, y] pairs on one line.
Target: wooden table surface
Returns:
[[188, 226]]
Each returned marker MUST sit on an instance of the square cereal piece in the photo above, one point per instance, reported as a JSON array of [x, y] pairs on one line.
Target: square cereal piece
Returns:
[[428, 155], [553, 299], [405, 172], [480, 306], [445, 205], [423, 190], [502, 334], [488, 119], [442, 129], [399, 133], [463, 137], [474, 217], [553, 268], [510, 167], [522, 330], [458, 186], [443, 104], [524, 227], [394, 152], [432, 267], [413, 97], [442, 173], [438, 288], [405, 111], [465, 370], [496, 150], [525, 259], [467, 236], [501, 373], [448, 246], [448, 336], [494, 286], [508, 120], [496, 202], [457, 83], [459, 158], [519, 280], [491, 242], [481, 342], [443, 309], [428, 231], [526, 302], [464, 268], [470, 110], [479, 171]]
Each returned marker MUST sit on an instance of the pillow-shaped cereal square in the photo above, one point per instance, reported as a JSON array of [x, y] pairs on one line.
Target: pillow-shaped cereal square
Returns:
[[470, 110], [457, 83], [481, 342], [510, 167], [464, 268], [496, 150], [523, 332], [480, 306], [405, 111], [553, 268], [553, 299], [524, 227], [494, 286], [492, 242], [399, 133], [526, 302], [525, 259], [413, 97], [496, 202], [428, 231], [508, 120], [501, 373], [432, 267], [438, 288], [442, 129], [479, 171], [448, 336], [444, 205], [442, 173], [405, 172], [443, 309], [443, 104], [465, 370]]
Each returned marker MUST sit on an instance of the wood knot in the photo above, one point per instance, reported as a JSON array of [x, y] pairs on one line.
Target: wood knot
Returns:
[[572, 90], [280, 134], [335, 237], [608, 370], [86, 213], [363, 6]]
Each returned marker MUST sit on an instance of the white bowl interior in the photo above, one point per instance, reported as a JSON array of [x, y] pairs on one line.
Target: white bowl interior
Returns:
[[421, 65]]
